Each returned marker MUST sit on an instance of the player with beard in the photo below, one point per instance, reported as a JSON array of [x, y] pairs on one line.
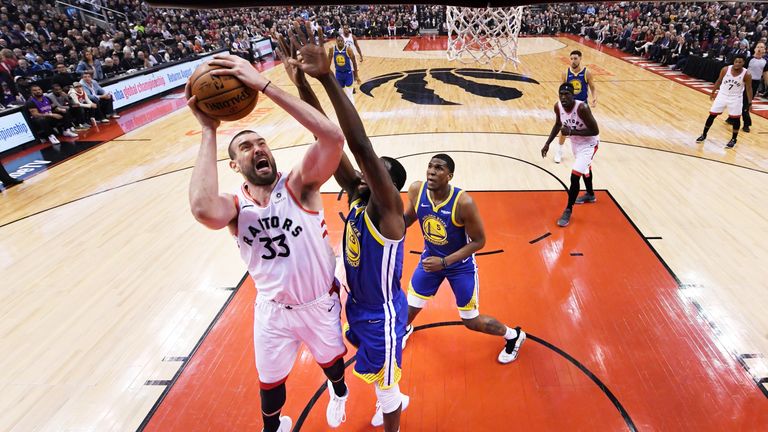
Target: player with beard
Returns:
[[453, 231], [277, 221], [373, 239]]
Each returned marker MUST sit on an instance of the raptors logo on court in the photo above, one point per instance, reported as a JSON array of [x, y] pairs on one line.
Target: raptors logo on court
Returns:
[[412, 84]]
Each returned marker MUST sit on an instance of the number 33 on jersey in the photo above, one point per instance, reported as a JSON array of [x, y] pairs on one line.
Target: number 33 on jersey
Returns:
[[279, 238]]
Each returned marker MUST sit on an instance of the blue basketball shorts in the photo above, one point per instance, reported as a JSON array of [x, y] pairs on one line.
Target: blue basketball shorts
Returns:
[[345, 79], [464, 284], [378, 335]]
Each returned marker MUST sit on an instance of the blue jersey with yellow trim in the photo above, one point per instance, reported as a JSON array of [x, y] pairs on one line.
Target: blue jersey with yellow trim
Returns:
[[374, 264], [579, 83], [443, 235], [341, 60]]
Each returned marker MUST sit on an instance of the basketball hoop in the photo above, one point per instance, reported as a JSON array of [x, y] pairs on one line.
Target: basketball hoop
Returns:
[[480, 35]]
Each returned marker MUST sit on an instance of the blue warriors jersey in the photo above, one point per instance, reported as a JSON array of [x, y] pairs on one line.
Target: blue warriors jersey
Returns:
[[374, 264], [341, 60], [443, 234], [579, 83], [377, 309]]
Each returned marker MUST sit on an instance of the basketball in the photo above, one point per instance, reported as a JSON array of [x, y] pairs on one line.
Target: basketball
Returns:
[[222, 97]]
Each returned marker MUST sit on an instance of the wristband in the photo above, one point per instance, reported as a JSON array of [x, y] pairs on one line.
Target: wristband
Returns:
[[442, 260], [265, 87]]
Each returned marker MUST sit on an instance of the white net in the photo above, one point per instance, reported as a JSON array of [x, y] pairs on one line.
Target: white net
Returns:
[[486, 36]]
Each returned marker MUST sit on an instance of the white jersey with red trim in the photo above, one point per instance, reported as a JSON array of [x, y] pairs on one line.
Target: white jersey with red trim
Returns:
[[574, 121], [286, 248], [732, 86]]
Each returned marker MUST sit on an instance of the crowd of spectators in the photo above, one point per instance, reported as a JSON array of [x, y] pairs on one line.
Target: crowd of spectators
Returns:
[[40, 40], [664, 32], [45, 44], [51, 53]]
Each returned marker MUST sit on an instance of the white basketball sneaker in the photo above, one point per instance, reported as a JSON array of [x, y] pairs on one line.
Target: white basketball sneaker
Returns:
[[408, 333], [558, 153], [509, 353], [378, 416], [336, 413]]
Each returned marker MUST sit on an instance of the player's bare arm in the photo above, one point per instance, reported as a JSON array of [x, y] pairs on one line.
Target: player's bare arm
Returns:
[[469, 215], [748, 88], [553, 133], [385, 207], [209, 207], [413, 196], [351, 55], [357, 46], [589, 121], [346, 175], [322, 157], [592, 89], [719, 81]]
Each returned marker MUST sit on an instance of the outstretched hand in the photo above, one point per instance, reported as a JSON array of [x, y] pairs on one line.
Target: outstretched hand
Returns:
[[312, 59], [286, 52]]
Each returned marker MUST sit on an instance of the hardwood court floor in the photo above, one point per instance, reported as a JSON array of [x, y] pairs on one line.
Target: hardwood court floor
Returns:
[[596, 300], [108, 283]]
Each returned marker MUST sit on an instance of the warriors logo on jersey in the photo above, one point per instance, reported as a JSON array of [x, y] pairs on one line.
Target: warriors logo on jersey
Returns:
[[576, 85], [434, 230], [341, 60], [352, 249]]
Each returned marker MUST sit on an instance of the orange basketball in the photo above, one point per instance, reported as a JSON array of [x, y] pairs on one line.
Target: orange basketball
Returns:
[[222, 97]]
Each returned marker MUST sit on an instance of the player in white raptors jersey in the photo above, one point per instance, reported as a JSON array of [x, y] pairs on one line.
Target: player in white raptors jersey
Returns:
[[350, 40], [574, 119], [277, 219], [730, 86], [583, 84]]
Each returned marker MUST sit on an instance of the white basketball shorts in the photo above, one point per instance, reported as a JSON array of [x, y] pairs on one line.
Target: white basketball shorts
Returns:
[[732, 103], [279, 330], [583, 154]]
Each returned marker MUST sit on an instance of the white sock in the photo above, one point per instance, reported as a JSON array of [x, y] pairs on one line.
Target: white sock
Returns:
[[510, 334]]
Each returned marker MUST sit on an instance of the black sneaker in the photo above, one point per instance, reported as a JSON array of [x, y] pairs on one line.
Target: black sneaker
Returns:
[[12, 182], [586, 199], [731, 143], [701, 138], [746, 129], [565, 218]]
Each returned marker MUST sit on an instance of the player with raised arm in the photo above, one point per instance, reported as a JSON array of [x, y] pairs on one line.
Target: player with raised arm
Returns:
[[373, 241], [278, 223]]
